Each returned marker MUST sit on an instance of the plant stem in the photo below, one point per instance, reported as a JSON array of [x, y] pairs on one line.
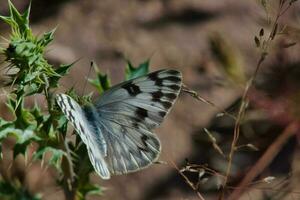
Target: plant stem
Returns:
[[243, 105], [199, 98], [265, 159]]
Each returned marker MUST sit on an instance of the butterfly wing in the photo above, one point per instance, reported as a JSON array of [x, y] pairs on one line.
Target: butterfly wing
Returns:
[[117, 131], [83, 124], [129, 111]]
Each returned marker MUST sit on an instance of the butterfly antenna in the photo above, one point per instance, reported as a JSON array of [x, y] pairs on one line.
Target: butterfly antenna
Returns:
[[92, 63]]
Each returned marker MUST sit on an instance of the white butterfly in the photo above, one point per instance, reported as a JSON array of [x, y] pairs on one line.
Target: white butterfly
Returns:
[[117, 129]]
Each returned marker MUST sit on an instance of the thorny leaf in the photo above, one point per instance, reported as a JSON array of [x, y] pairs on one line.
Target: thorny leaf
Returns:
[[132, 72], [56, 156], [101, 82]]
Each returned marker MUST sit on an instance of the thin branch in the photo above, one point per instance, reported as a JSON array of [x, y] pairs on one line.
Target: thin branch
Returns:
[[265, 159], [267, 189], [243, 105], [199, 98], [188, 181]]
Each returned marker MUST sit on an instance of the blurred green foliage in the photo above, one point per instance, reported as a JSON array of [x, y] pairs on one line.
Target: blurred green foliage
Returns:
[[31, 74]]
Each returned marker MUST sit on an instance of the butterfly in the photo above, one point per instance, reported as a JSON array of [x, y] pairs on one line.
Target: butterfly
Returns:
[[117, 129]]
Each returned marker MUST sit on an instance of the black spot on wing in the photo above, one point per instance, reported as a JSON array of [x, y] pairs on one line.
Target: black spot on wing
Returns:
[[154, 77], [75, 126], [156, 96], [71, 116], [170, 75], [159, 82], [60, 101], [142, 148], [170, 96], [174, 87], [72, 119], [70, 103], [61, 104], [141, 113], [166, 104], [81, 128], [132, 89], [162, 114], [144, 139], [135, 125], [174, 72], [175, 79]]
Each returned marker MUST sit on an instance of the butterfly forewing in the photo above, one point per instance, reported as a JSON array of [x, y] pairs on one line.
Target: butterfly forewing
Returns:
[[87, 132], [117, 130], [146, 98]]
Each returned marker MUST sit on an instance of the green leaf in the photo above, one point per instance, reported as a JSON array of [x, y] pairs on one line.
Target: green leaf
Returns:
[[26, 54], [15, 190], [26, 136], [63, 69], [89, 189], [9, 131], [6, 19], [31, 76], [6, 128], [6, 189], [101, 82], [52, 133], [62, 124], [23, 137], [55, 157], [25, 118], [31, 89], [47, 38], [4, 124], [19, 22], [134, 72], [41, 118], [23, 140]]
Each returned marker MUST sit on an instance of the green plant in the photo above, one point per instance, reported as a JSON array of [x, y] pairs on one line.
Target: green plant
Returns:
[[30, 74]]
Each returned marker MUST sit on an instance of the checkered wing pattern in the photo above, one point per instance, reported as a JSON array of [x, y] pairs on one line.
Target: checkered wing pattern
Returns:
[[118, 128]]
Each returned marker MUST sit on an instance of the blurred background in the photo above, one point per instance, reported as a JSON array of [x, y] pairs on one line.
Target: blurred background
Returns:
[[212, 43]]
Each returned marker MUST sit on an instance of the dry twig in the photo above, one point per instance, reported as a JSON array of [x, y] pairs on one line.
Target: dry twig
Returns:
[[265, 159]]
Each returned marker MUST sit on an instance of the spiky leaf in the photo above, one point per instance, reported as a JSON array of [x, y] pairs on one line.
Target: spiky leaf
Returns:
[[133, 72], [56, 156], [101, 82]]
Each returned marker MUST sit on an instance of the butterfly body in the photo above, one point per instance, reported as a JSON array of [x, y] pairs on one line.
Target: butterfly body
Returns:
[[117, 129]]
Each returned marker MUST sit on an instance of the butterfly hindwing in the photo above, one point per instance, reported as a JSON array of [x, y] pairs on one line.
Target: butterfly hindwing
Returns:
[[129, 149]]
